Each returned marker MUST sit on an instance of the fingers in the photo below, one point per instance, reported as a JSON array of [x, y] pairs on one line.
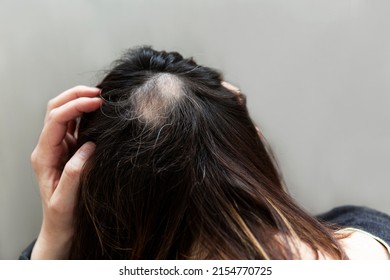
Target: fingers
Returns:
[[71, 94], [59, 184], [230, 87], [65, 194], [71, 127], [57, 124], [54, 240]]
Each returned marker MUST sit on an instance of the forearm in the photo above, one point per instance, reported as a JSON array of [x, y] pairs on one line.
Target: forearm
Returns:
[[52, 247]]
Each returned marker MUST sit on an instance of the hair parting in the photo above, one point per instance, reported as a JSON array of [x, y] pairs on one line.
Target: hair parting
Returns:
[[181, 172]]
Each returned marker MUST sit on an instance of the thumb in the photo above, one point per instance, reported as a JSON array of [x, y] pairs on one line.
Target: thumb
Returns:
[[66, 191]]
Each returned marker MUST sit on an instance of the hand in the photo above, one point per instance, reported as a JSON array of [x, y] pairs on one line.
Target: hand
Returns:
[[230, 87], [57, 173]]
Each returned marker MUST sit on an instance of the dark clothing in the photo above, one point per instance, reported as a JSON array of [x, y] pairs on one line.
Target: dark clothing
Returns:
[[363, 218], [26, 254]]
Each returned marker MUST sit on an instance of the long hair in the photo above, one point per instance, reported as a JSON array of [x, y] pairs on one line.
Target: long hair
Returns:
[[180, 172]]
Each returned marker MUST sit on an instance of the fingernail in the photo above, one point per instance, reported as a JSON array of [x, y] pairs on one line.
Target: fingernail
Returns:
[[87, 150]]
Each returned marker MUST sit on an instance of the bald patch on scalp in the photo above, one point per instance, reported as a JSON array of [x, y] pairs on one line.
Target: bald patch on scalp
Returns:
[[157, 97]]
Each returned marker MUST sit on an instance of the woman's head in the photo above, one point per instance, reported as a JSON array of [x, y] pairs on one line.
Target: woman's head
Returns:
[[179, 170]]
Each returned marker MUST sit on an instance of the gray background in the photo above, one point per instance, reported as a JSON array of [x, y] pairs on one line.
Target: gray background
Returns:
[[316, 74]]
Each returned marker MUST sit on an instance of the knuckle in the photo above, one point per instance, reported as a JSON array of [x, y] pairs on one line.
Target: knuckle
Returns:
[[50, 104], [34, 158], [53, 114]]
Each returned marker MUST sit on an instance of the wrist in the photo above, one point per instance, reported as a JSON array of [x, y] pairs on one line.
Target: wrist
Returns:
[[52, 246]]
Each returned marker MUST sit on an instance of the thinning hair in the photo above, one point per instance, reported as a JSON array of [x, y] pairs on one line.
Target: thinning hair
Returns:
[[180, 172]]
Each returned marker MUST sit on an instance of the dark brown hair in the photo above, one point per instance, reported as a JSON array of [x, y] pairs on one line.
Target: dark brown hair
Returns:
[[180, 172]]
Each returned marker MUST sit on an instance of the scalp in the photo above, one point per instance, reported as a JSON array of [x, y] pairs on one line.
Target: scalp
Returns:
[[156, 98]]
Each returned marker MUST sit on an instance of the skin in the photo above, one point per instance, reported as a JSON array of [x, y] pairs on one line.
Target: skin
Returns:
[[58, 176], [58, 172]]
